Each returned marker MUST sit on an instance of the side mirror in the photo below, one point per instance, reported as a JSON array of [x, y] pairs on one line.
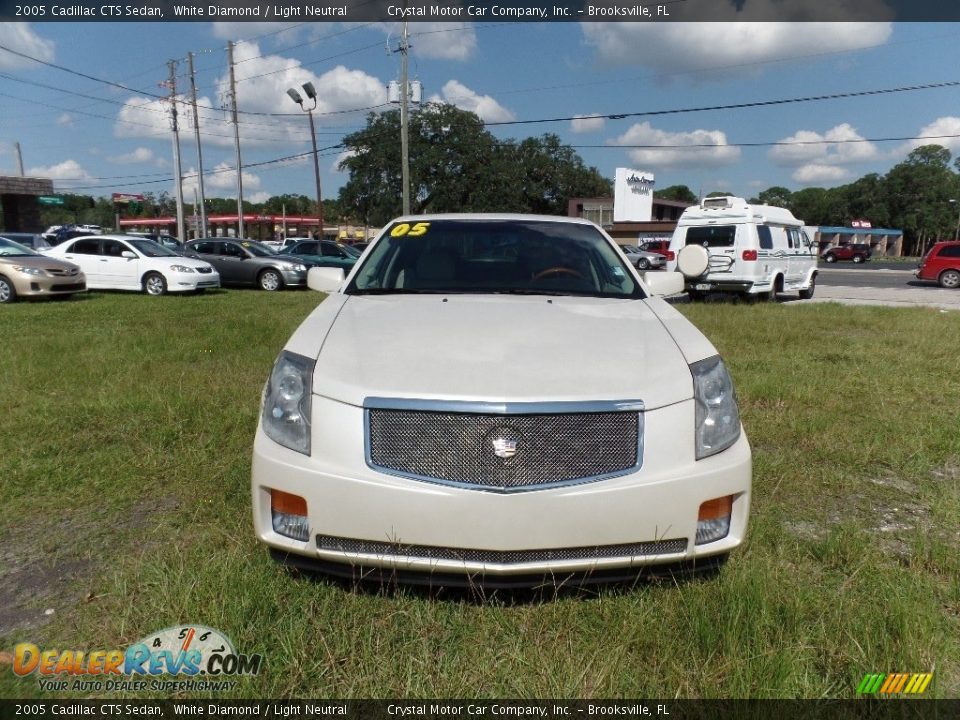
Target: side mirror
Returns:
[[325, 279], [129, 254], [664, 283]]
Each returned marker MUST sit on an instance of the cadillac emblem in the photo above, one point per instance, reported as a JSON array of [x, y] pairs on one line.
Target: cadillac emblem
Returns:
[[505, 446]]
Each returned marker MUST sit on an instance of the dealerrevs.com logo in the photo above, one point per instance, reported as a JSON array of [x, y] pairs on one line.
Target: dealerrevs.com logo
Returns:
[[183, 657]]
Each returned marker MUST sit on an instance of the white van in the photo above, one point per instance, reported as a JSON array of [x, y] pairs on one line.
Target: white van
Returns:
[[724, 244]]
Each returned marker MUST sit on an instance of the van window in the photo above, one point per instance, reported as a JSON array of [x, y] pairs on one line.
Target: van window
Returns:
[[712, 235], [766, 239]]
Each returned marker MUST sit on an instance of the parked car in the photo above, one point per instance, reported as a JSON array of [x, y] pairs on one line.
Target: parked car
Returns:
[[67, 232], [168, 241], [89, 229], [34, 241], [26, 273], [248, 262], [855, 252], [325, 253], [661, 247], [123, 262], [643, 260], [50, 233], [942, 263], [431, 420]]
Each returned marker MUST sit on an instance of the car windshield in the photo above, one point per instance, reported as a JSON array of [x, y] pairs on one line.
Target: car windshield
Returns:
[[151, 249], [351, 251], [257, 249], [517, 256], [9, 248]]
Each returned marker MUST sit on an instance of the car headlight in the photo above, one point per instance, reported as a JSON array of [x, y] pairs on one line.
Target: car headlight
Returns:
[[286, 402], [28, 270], [717, 415], [299, 267], [181, 268]]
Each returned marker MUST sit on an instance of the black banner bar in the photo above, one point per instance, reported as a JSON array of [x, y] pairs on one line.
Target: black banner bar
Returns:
[[866, 709], [486, 11]]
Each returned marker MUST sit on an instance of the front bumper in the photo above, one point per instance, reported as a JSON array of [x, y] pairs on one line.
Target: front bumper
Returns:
[[188, 282], [360, 517], [294, 278], [44, 286]]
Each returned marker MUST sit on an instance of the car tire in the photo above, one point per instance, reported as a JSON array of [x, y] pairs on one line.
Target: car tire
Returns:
[[806, 294], [7, 292], [771, 296], [829, 258], [949, 279], [154, 284], [643, 264], [269, 280], [695, 295], [858, 259]]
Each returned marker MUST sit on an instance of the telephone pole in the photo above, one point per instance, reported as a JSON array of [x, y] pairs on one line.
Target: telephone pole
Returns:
[[241, 232], [202, 227], [172, 82], [404, 120]]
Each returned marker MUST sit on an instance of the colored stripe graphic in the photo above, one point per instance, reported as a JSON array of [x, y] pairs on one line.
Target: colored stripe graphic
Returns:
[[894, 683]]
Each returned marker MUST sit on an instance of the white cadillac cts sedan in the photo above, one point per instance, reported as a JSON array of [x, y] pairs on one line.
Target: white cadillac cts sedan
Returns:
[[498, 399]]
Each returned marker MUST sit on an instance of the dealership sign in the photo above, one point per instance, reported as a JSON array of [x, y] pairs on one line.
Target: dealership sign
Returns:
[[632, 196]]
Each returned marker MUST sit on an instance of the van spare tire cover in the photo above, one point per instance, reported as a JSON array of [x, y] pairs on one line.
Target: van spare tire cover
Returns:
[[692, 260]]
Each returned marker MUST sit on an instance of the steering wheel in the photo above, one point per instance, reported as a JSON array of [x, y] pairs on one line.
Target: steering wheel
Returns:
[[557, 271]]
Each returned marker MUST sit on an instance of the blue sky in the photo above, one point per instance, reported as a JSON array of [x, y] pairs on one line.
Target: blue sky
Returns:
[[96, 138]]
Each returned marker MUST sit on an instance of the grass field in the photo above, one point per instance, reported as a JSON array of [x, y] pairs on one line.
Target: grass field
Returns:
[[125, 438]]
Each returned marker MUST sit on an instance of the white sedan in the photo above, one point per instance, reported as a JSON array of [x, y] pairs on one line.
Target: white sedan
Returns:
[[457, 411], [123, 262]]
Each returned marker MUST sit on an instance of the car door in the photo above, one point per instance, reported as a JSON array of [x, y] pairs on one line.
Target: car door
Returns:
[[802, 256], [119, 271], [333, 256], [236, 267], [86, 253], [205, 250]]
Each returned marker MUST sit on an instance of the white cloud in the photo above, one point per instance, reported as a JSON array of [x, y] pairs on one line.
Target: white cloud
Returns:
[[222, 177], [243, 30], [587, 123], [458, 94], [65, 120], [443, 41], [677, 149], [67, 171], [935, 132], [680, 47], [840, 145], [262, 84], [140, 155], [22, 38], [335, 167], [815, 174]]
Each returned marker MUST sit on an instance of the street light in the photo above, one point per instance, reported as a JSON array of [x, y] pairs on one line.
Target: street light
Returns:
[[312, 95]]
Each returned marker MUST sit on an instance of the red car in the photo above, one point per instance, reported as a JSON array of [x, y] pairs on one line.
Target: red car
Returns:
[[942, 264], [661, 247], [857, 253]]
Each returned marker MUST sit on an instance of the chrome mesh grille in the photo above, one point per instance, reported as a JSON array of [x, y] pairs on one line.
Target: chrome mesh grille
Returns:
[[499, 557], [462, 448]]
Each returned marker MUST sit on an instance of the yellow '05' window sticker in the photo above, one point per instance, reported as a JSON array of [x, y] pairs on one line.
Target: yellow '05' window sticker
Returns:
[[408, 230]]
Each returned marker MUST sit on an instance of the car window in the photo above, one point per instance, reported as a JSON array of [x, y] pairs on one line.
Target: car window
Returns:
[[329, 249], [949, 251], [766, 237], [11, 248], [495, 256], [114, 248], [151, 249], [90, 246], [231, 250], [305, 248], [207, 247], [712, 235]]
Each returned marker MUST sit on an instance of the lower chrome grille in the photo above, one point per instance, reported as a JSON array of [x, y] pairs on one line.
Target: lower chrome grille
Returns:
[[204, 270], [504, 451], [499, 557]]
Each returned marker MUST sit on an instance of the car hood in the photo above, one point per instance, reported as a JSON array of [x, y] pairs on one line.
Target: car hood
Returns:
[[42, 262], [494, 348]]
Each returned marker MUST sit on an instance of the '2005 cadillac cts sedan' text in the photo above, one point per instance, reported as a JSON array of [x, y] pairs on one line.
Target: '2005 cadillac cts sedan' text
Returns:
[[498, 399]]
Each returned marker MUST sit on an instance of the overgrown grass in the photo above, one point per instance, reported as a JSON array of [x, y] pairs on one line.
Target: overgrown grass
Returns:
[[125, 443]]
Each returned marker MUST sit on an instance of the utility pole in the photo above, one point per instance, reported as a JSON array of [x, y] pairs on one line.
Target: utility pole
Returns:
[[241, 232], [202, 227], [16, 147], [404, 120], [172, 82]]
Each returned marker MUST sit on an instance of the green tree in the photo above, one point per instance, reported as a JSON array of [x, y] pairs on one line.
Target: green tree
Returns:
[[456, 165], [777, 195], [677, 192], [917, 193]]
